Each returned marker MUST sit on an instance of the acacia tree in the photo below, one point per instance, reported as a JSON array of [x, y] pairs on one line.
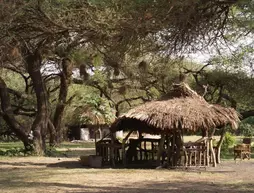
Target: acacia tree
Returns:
[[30, 41], [229, 80], [33, 32]]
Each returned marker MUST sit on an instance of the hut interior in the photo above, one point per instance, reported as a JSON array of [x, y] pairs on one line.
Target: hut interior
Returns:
[[183, 111]]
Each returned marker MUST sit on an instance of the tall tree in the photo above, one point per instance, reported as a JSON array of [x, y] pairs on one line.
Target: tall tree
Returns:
[[37, 31]]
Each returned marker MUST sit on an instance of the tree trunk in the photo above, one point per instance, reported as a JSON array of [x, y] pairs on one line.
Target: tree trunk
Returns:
[[40, 124], [60, 107], [9, 118], [219, 145], [52, 133]]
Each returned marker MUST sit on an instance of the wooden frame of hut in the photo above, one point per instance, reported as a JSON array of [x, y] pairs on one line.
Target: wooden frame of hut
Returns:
[[183, 111]]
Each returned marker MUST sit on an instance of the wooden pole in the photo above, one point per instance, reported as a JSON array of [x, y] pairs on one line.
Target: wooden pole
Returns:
[[173, 148], [95, 141], [160, 150], [168, 149], [212, 151], [211, 147], [123, 153], [179, 146], [219, 145], [207, 152], [123, 148], [112, 152]]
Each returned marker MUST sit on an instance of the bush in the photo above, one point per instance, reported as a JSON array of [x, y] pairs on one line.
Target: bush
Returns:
[[228, 142], [50, 152], [246, 129], [13, 152]]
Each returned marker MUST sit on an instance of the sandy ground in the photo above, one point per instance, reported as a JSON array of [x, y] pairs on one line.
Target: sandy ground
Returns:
[[33, 174]]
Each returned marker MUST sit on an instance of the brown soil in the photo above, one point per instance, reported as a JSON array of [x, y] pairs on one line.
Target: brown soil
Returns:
[[33, 174]]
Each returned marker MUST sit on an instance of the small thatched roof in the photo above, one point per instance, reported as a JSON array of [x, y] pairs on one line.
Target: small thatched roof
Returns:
[[184, 110]]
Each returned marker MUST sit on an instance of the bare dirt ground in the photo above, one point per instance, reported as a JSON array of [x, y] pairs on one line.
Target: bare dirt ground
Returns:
[[33, 174]]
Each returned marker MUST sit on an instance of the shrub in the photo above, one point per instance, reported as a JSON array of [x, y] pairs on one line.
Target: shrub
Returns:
[[246, 129], [51, 152], [228, 142], [13, 152]]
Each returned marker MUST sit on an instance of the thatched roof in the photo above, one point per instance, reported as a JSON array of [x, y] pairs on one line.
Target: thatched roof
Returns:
[[184, 110]]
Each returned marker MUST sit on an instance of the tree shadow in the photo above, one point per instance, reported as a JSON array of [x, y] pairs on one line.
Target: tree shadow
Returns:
[[66, 164], [141, 187], [72, 153], [22, 163]]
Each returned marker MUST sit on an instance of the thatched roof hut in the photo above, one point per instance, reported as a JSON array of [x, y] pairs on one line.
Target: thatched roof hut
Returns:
[[185, 110]]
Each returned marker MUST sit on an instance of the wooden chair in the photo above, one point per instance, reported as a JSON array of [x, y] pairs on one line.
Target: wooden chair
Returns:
[[242, 151]]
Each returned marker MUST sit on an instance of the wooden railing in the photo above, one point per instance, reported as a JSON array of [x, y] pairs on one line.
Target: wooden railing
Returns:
[[195, 154], [142, 150]]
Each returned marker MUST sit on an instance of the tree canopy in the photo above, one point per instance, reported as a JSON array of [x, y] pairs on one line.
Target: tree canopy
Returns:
[[123, 52]]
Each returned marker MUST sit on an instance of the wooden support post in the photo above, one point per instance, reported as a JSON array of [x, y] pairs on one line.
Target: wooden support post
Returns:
[[190, 158], [211, 148], [152, 150], [179, 146], [173, 153], [123, 148], [200, 156], [123, 153], [160, 150], [186, 158], [169, 154], [112, 151], [195, 157], [212, 151], [207, 152], [223, 131]]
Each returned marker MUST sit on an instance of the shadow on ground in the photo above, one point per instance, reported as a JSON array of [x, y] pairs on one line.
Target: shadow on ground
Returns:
[[141, 187], [66, 164], [72, 153]]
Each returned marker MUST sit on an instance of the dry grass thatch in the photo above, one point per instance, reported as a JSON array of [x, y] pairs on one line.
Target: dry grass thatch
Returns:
[[184, 110]]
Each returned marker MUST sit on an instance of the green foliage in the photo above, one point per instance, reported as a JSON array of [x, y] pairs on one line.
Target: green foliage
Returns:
[[246, 127], [116, 32], [241, 18], [12, 79], [228, 142], [99, 107], [88, 106], [51, 152], [15, 152]]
